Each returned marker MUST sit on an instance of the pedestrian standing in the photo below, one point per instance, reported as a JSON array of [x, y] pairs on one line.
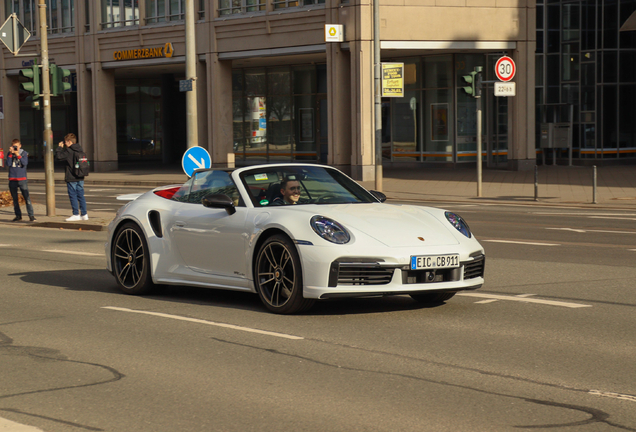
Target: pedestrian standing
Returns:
[[68, 151], [17, 161]]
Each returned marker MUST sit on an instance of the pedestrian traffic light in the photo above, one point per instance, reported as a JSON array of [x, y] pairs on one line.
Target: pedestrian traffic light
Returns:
[[58, 86], [33, 73], [472, 80]]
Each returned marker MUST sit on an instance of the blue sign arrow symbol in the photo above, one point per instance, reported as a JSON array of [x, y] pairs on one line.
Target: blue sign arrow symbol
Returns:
[[195, 158]]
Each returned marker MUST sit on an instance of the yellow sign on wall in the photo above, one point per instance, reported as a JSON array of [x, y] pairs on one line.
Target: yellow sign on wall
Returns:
[[145, 53], [392, 79]]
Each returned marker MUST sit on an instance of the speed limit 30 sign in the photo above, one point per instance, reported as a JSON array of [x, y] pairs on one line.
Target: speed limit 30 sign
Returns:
[[505, 68]]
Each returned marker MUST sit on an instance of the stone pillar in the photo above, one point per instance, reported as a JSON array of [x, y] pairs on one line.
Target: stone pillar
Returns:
[[85, 111], [220, 116], [104, 119], [521, 152], [339, 103], [202, 104], [362, 114], [11, 123]]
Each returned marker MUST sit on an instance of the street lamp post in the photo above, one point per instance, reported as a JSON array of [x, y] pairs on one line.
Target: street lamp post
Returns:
[[48, 132], [191, 74], [378, 95]]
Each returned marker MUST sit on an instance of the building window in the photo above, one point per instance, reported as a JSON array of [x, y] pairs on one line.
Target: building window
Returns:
[[229, 7], [164, 10], [59, 14], [119, 13], [280, 4], [277, 114]]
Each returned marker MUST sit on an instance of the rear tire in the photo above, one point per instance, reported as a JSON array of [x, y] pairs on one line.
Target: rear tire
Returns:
[[131, 260], [432, 297], [278, 276]]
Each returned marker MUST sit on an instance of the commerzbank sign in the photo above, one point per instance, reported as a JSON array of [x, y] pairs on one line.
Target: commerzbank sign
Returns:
[[145, 53]]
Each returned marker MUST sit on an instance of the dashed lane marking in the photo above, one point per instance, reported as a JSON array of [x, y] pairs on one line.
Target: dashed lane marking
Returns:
[[211, 323], [590, 230], [522, 243], [524, 299], [71, 252]]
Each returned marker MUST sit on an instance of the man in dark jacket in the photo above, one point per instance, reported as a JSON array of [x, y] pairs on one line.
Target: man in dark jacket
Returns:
[[17, 161], [75, 185]]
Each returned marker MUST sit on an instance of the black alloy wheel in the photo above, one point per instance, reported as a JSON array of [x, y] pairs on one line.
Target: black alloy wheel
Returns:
[[278, 276], [130, 258]]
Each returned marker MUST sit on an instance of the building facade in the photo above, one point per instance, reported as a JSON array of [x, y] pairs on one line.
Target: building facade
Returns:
[[269, 88], [585, 76]]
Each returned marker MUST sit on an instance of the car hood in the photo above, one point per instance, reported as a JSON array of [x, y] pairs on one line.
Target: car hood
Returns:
[[392, 225]]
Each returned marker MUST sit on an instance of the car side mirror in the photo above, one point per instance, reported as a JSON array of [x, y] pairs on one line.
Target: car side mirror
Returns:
[[379, 195], [219, 201]]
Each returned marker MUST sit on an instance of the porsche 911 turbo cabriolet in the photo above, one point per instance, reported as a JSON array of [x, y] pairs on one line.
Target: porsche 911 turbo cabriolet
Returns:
[[293, 234]]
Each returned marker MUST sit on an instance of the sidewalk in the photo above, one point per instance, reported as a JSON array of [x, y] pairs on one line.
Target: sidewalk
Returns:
[[557, 185]]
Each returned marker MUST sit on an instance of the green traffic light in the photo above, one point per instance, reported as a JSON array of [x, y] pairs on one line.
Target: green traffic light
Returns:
[[34, 75], [58, 86]]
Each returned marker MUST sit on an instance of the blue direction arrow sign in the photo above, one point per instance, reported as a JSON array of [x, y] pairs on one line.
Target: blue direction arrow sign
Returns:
[[195, 158]]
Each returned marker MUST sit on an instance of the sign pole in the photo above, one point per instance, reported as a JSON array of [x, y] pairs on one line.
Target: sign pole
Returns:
[[478, 69], [378, 95], [191, 74], [48, 132]]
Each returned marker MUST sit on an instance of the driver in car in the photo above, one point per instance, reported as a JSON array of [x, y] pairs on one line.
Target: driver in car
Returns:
[[290, 189]]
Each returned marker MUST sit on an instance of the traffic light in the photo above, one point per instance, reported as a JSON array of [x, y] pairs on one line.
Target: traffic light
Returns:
[[472, 80], [58, 86], [33, 73]]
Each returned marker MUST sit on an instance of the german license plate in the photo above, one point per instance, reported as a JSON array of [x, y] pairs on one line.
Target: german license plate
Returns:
[[434, 262]]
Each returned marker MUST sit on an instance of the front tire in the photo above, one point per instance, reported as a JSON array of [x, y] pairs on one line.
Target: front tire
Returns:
[[432, 297], [278, 276], [131, 260]]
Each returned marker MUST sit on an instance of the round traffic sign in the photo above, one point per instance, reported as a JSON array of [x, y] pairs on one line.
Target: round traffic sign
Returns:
[[505, 68], [195, 158]]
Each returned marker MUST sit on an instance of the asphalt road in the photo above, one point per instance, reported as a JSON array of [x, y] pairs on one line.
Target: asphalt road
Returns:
[[546, 344]]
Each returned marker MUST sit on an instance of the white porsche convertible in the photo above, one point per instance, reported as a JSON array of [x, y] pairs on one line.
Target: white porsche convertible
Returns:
[[292, 233]]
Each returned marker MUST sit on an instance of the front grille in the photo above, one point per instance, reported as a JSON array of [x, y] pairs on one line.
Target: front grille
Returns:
[[359, 274], [475, 268]]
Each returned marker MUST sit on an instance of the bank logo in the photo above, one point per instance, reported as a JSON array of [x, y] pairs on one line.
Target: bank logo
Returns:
[[144, 53]]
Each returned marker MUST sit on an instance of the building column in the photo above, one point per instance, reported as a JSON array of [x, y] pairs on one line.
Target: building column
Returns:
[[339, 107], [362, 114], [104, 119], [202, 104], [85, 110], [220, 114], [522, 149], [11, 123]]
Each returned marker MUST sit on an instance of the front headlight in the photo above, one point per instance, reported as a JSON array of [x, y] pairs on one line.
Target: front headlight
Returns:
[[330, 230], [459, 223]]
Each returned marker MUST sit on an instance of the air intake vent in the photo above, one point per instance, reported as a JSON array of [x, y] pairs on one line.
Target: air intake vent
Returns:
[[357, 275], [474, 269]]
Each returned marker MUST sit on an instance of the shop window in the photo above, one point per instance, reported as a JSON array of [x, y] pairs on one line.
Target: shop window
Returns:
[[279, 4], [120, 13], [277, 113], [230, 7], [164, 10]]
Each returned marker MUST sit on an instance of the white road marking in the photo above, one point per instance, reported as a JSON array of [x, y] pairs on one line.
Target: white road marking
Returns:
[[520, 242], [613, 395], [10, 426], [581, 214], [200, 321], [612, 217], [71, 252], [523, 300], [597, 231], [5, 245]]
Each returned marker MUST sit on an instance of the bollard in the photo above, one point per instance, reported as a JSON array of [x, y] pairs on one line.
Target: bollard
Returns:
[[536, 183], [594, 187]]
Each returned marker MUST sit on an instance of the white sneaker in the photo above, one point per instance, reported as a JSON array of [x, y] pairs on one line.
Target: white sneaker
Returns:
[[74, 218], [84, 217]]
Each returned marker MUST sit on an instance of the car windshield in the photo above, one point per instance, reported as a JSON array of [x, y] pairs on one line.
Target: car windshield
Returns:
[[306, 185]]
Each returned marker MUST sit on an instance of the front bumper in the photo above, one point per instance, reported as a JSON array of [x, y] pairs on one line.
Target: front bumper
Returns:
[[370, 276]]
